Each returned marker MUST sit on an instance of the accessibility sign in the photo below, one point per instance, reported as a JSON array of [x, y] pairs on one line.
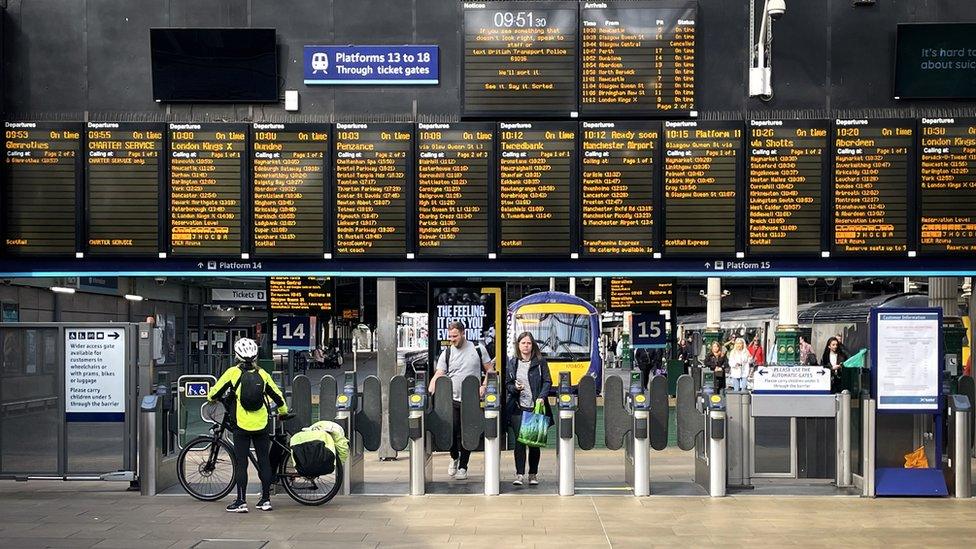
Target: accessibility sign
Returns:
[[197, 388], [791, 379], [94, 374]]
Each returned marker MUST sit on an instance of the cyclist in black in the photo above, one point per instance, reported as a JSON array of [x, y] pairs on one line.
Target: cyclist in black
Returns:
[[249, 385]]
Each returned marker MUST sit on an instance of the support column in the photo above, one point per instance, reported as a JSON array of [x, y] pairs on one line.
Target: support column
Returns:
[[944, 293], [787, 334], [386, 354], [598, 289], [552, 284], [626, 351], [713, 313], [572, 285]]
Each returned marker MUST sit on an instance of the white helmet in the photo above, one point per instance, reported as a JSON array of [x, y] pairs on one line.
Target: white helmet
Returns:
[[246, 349]]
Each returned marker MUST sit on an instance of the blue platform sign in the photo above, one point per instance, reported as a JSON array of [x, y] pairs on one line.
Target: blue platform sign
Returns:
[[293, 332], [372, 65], [649, 330]]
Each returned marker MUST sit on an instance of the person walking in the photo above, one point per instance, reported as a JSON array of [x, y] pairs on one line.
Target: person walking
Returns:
[[528, 382], [460, 359], [248, 388], [740, 362], [718, 363]]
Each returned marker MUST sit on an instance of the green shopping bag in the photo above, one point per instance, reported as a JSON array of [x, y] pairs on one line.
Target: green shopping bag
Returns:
[[534, 431]]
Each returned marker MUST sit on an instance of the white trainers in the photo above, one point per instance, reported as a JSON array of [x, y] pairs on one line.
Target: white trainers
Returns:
[[517, 481], [452, 469], [533, 480], [462, 474]]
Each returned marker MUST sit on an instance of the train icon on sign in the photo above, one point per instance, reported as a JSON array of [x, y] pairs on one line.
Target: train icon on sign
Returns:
[[320, 62]]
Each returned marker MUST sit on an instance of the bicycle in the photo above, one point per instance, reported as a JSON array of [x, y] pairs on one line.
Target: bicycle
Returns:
[[207, 463]]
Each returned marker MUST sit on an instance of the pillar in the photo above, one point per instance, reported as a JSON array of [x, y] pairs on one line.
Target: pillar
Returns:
[[626, 351], [787, 334], [713, 313], [572, 285], [944, 294], [552, 284], [598, 289], [386, 354]]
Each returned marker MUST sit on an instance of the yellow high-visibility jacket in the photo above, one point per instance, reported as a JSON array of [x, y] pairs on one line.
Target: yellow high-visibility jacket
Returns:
[[245, 419]]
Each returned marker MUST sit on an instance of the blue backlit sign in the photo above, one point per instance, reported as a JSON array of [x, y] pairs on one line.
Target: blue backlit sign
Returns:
[[373, 65]]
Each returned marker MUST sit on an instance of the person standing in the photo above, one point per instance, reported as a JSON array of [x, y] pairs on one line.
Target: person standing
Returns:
[[718, 363], [756, 351], [460, 359], [740, 362], [833, 357], [807, 357], [528, 382]]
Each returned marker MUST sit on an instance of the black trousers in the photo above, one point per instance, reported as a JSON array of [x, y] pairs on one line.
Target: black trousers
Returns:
[[457, 451], [262, 449], [535, 454]]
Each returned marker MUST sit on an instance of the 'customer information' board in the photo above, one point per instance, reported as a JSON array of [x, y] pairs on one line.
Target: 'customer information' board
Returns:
[[907, 345]]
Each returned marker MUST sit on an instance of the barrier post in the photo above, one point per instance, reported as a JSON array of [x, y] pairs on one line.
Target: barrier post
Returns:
[[844, 473]]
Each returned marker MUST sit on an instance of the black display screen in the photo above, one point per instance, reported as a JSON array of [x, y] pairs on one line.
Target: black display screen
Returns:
[[42, 172], [787, 171], [947, 186], [125, 171], [641, 294], [219, 65], [300, 295], [935, 61], [537, 174]]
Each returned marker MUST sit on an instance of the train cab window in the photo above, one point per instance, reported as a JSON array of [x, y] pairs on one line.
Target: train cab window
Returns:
[[562, 336]]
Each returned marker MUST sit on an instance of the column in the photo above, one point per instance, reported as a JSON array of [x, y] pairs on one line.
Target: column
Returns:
[[572, 285], [386, 353], [787, 335], [944, 293], [598, 289], [713, 313]]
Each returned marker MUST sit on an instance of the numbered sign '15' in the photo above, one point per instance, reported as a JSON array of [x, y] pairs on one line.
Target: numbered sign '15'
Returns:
[[649, 330]]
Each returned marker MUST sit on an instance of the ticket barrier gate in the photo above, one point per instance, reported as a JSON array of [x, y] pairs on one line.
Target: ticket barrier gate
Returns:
[[491, 403], [958, 470], [360, 416], [566, 425], [637, 422], [702, 426]]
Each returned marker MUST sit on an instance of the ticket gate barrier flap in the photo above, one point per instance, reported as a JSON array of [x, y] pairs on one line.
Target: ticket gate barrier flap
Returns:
[[659, 412], [472, 417], [328, 390], [967, 386], [398, 417], [440, 417], [369, 418], [617, 420], [585, 413], [689, 419], [301, 404]]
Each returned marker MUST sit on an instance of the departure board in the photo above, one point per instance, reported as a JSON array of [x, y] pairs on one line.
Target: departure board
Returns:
[[207, 169], [873, 171], [537, 174], [455, 163], [785, 183], [42, 170], [638, 57], [290, 163], [519, 58], [125, 173], [618, 182], [947, 186], [702, 167], [300, 294], [373, 178], [641, 295]]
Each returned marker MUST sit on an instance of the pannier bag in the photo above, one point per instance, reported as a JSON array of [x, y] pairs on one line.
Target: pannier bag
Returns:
[[338, 437], [313, 452]]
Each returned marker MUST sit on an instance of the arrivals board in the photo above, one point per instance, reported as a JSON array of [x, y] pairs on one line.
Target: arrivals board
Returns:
[[290, 164], [206, 174], [455, 165], [873, 172], [537, 175], [647, 295], [617, 184], [125, 172], [947, 186], [519, 58], [300, 294], [638, 57], [374, 182], [788, 166], [42, 171], [702, 174]]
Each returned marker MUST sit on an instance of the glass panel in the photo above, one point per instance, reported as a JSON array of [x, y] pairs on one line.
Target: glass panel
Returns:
[[95, 447], [30, 417], [773, 445], [561, 336]]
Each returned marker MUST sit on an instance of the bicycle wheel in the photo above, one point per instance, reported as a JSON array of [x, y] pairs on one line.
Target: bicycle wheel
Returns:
[[311, 491], [206, 468]]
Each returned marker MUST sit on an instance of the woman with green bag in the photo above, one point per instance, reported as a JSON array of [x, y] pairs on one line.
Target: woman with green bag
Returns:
[[528, 382]]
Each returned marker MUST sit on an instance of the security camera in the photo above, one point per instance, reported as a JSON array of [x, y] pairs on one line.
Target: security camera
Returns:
[[160, 280], [775, 8]]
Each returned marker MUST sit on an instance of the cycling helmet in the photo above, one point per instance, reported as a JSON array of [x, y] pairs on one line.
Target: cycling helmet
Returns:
[[246, 349]]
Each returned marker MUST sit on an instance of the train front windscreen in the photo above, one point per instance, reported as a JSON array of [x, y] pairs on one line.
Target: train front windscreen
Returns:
[[565, 341]]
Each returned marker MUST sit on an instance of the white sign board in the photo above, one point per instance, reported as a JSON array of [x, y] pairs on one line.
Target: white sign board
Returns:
[[238, 296], [907, 364], [791, 379], [94, 370]]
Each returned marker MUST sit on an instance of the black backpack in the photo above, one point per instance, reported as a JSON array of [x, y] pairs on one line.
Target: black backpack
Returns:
[[250, 389]]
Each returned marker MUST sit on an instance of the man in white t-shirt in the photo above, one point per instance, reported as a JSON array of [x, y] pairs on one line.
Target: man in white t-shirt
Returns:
[[461, 359]]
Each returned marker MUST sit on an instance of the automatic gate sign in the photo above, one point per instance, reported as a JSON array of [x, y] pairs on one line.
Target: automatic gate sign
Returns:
[[649, 330], [94, 374], [791, 379]]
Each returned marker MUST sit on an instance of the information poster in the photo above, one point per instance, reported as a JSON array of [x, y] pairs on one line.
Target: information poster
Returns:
[[94, 374], [300, 294], [702, 175], [42, 170], [786, 175], [641, 294], [537, 174], [125, 171], [618, 182], [873, 172], [638, 57], [373, 177], [947, 186], [478, 308], [290, 163], [207, 168], [455, 163], [908, 359], [520, 58]]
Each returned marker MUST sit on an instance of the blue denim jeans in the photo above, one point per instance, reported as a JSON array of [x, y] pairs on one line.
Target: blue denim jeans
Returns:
[[739, 383]]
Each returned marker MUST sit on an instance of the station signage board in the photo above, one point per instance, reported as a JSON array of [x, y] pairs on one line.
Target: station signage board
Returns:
[[94, 374], [240, 295], [907, 344], [791, 379], [372, 65]]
